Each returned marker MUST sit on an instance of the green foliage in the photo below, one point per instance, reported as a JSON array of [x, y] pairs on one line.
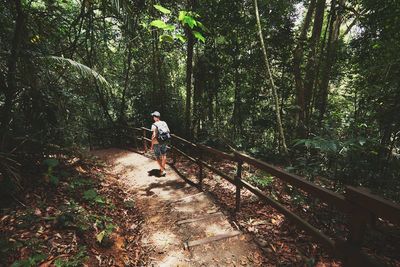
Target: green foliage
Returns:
[[123, 59], [106, 233], [50, 175], [162, 9], [184, 18], [75, 261], [73, 215], [199, 36], [31, 261], [84, 70], [261, 181], [166, 38], [92, 196], [162, 25]]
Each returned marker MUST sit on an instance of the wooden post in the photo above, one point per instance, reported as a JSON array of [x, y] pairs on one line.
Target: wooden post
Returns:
[[358, 220], [238, 178], [200, 174], [135, 136], [173, 153], [144, 141]]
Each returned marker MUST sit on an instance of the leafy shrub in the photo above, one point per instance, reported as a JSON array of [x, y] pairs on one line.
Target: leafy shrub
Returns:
[[261, 181], [75, 261], [50, 176], [104, 236], [92, 196]]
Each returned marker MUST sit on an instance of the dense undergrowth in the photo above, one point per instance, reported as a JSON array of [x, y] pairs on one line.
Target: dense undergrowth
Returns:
[[71, 212]]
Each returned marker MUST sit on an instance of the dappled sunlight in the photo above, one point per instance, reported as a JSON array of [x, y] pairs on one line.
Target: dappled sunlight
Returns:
[[216, 229], [163, 239]]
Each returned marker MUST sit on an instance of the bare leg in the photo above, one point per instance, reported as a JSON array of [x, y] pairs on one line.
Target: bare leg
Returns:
[[163, 161], [159, 161]]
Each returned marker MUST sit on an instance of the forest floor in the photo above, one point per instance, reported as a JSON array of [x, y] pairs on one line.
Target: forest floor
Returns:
[[110, 208], [75, 213]]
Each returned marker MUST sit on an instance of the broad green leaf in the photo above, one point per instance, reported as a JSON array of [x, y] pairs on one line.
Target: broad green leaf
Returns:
[[162, 9], [166, 38], [169, 27], [200, 25], [199, 36], [180, 37], [144, 25], [162, 25], [182, 15], [191, 22], [158, 23]]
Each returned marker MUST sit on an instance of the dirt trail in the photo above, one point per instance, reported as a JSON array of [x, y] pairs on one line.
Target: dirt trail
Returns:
[[178, 215]]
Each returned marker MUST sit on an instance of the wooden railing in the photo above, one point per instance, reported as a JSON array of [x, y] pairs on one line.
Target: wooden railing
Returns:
[[358, 204]]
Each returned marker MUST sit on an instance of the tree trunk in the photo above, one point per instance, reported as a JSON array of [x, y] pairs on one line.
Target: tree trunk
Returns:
[[189, 70], [126, 83], [331, 52], [236, 116], [198, 86], [269, 74], [311, 71], [297, 59]]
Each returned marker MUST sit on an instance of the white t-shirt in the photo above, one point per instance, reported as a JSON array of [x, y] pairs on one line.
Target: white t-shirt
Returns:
[[160, 125]]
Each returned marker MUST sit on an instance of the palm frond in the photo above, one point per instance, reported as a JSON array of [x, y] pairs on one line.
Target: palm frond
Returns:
[[81, 68]]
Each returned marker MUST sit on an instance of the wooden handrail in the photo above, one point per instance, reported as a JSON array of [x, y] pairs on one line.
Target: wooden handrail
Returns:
[[220, 173], [322, 193], [183, 140], [380, 207], [144, 128], [357, 203], [325, 240], [184, 154], [220, 154]]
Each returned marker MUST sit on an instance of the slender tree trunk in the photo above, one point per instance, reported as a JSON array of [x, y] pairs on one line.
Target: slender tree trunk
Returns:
[[153, 95], [311, 71], [126, 83], [330, 60], [189, 72], [237, 116], [297, 59], [269, 74], [197, 94]]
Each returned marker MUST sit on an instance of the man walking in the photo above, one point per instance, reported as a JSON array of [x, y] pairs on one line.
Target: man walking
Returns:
[[159, 140]]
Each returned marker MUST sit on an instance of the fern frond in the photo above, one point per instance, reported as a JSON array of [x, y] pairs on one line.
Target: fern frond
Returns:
[[81, 68]]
